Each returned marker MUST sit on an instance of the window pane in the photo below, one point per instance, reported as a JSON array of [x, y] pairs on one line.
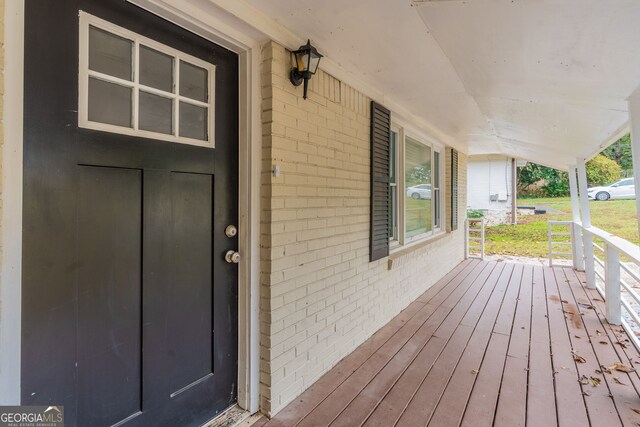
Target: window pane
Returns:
[[393, 142], [418, 188], [193, 82], [109, 103], [156, 69], [393, 193], [110, 54], [193, 121], [156, 113], [436, 189]]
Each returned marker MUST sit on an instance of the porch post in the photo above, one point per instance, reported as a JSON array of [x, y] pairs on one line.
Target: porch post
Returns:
[[634, 119], [587, 237], [514, 191], [578, 254]]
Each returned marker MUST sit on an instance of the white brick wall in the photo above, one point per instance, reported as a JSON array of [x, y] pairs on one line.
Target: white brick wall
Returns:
[[320, 295]]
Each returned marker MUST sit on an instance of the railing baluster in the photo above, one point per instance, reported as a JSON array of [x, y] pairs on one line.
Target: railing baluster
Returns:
[[549, 240], [578, 250], [612, 284], [589, 262]]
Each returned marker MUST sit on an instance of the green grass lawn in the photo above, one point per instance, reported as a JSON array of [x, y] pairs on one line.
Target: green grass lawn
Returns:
[[529, 236]]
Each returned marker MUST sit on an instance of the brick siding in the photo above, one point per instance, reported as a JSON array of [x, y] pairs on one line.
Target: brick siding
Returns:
[[320, 295]]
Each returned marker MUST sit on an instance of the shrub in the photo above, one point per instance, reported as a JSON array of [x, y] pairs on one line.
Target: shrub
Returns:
[[474, 213], [601, 171]]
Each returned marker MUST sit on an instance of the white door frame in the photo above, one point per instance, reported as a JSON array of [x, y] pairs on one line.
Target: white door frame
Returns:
[[11, 221]]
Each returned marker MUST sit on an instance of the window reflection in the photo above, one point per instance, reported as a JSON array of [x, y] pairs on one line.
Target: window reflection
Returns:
[[418, 188]]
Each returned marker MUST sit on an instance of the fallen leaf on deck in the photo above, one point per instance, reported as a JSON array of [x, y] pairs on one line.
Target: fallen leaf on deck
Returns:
[[595, 381], [622, 344], [616, 379], [584, 380], [587, 306], [578, 358], [637, 411], [605, 369], [577, 336], [586, 393], [475, 371], [621, 367], [565, 301], [598, 332], [598, 299], [603, 342]]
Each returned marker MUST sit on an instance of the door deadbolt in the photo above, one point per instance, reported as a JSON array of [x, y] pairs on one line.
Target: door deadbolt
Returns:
[[231, 231], [232, 257]]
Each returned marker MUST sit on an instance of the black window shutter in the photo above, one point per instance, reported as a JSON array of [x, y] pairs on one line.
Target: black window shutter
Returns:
[[380, 135], [454, 189]]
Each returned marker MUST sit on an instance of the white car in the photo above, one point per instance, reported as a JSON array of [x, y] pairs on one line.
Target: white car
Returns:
[[420, 191], [623, 189]]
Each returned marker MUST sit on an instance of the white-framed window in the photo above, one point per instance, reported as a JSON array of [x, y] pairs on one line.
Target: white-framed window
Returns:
[[416, 196], [132, 85]]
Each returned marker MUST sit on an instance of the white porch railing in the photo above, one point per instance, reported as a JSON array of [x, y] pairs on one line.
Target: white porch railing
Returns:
[[616, 272], [561, 229], [474, 238]]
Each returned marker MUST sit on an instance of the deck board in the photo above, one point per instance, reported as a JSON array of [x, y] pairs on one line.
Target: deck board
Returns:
[[600, 406], [491, 344], [512, 407], [330, 408], [541, 403], [624, 391]]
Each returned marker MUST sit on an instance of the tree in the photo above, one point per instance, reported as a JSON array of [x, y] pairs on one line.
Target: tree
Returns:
[[418, 174], [535, 180], [549, 182], [620, 152], [602, 170]]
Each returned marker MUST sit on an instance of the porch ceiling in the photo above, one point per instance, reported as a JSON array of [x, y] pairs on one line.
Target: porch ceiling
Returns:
[[537, 79]]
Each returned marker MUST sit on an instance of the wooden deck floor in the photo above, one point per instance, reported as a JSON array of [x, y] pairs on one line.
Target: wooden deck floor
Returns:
[[491, 344]]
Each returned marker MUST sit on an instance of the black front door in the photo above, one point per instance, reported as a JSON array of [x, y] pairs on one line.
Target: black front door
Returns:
[[129, 307]]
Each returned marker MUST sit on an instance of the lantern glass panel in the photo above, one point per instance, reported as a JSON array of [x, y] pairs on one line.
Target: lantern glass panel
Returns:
[[303, 61], [313, 66]]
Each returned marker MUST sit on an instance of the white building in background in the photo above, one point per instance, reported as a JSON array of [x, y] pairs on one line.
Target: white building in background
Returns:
[[491, 187]]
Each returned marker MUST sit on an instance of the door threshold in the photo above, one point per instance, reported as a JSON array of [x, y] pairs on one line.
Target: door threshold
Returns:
[[234, 416]]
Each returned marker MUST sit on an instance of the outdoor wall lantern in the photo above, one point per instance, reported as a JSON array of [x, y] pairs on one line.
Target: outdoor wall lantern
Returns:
[[307, 59]]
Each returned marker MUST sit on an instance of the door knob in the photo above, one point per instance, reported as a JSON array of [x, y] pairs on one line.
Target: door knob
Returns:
[[231, 230], [232, 257]]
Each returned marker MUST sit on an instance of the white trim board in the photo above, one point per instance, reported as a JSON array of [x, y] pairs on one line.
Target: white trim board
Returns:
[[11, 221]]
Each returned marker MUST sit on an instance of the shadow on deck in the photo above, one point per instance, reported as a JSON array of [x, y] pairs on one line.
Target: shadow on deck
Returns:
[[490, 344]]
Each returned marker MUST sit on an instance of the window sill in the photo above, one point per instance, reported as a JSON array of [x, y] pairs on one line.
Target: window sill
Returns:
[[401, 251]]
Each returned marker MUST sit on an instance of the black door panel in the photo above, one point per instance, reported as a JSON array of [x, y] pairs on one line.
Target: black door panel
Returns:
[[109, 231], [177, 279], [129, 309]]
